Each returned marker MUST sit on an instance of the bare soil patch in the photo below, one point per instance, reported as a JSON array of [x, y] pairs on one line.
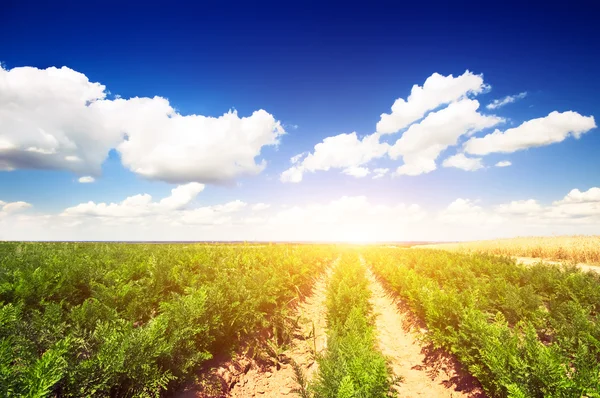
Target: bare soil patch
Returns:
[[581, 266]]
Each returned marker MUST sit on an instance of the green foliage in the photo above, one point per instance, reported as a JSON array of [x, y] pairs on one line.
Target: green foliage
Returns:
[[522, 331], [351, 366], [135, 320]]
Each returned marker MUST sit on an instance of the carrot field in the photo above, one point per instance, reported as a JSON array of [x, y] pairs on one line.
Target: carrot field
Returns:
[[215, 320]]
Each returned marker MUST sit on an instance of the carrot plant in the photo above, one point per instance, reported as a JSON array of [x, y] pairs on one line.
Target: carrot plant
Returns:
[[124, 320], [351, 366], [522, 331]]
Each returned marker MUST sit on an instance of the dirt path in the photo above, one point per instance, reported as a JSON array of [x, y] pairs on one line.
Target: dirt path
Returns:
[[581, 266], [273, 382], [424, 375]]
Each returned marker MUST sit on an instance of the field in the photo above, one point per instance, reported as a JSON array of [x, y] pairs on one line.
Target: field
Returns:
[[578, 249], [200, 320]]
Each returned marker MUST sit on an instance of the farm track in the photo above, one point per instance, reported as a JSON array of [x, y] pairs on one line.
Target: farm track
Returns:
[[582, 266], [425, 373]]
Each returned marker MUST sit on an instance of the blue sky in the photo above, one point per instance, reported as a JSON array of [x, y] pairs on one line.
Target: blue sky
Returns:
[[319, 70]]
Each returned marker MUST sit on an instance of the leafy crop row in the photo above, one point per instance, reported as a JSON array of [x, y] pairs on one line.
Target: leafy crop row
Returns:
[[522, 331], [129, 320], [351, 366]]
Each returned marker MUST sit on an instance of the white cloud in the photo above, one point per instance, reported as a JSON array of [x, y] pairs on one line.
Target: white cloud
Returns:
[[520, 207], [175, 210], [379, 173], [460, 161], [576, 196], [49, 115], [466, 212], [358, 172], [197, 148], [343, 151], [86, 179], [433, 118], [212, 215], [296, 158], [423, 142], [551, 129], [260, 206], [437, 90], [509, 99], [181, 196], [583, 207], [293, 174], [57, 119], [13, 207], [576, 208], [138, 205], [349, 217]]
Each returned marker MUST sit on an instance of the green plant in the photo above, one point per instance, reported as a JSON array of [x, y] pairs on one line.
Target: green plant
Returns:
[[351, 366]]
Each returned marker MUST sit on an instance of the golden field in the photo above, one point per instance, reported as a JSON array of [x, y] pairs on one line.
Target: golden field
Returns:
[[579, 248]]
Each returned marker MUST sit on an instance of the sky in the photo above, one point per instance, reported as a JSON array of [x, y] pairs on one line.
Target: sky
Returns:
[[306, 121]]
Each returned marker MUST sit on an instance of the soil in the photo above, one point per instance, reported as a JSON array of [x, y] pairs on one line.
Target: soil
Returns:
[[246, 377], [581, 266], [425, 372]]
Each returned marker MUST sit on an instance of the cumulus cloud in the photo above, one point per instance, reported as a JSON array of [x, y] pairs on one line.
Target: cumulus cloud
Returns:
[[57, 119], [260, 206], [576, 196], [86, 179], [379, 173], [576, 207], [295, 159], [555, 127], [196, 148], [437, 90], [423, 142], [466, 212], [212, 215], [347, 218], [181, 196], [174, 210], [520, 207], [293, 174], [12, 207], [49, 119], [138, 205], [343, 151], [434, 117], [460, 161], [509, 99], [358, 172], [582, 207]]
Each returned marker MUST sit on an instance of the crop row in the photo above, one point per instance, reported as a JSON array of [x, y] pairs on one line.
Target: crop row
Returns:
[[352, 366], [126, 320], [522, 331]]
